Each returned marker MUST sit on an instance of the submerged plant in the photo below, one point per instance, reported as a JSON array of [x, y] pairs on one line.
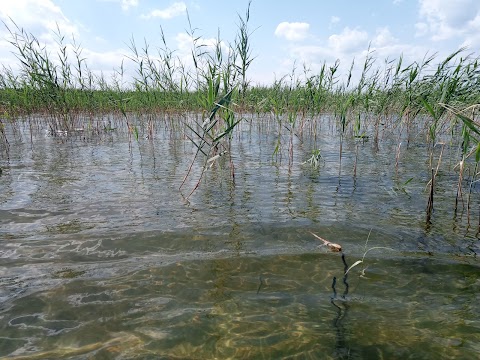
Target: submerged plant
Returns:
[[358, 262], [314, 160]]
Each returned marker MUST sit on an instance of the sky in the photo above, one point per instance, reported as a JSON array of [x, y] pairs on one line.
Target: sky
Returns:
[[285, 35]]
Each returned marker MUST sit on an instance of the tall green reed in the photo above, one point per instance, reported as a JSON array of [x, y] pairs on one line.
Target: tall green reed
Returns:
[[242, 50]]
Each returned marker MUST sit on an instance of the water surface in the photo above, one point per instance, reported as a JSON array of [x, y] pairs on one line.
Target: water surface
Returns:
[[103, 257]]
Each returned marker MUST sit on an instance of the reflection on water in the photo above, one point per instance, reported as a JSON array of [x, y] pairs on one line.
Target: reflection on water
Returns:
[[102, 256]]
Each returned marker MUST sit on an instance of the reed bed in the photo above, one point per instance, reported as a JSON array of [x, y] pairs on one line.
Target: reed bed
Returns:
[[62, 85], [437, 97]]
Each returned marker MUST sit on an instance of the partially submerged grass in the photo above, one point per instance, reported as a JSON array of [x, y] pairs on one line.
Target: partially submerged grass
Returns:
[[437, 97], [367, 250]]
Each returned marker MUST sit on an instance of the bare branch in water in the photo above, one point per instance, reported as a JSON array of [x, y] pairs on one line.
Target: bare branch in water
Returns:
[[332, 246]]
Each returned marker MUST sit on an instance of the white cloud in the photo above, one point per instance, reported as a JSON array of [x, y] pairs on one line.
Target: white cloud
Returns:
[[311, 53], [127, 4], [446, 19], [292, 31], [349, 40], [334, 19], [472, 40], [185, 43], [383, 38], [347, 45], [105, 59], [422, 29], [39, 17], [176, 9]]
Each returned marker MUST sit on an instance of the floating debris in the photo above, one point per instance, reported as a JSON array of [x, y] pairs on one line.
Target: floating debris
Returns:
[[332, 246]]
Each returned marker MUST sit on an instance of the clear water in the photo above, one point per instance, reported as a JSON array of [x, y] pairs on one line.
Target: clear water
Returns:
[[103, 257]]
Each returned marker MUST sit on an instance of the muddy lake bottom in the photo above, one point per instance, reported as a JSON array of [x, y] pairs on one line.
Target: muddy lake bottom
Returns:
[[103, 257]]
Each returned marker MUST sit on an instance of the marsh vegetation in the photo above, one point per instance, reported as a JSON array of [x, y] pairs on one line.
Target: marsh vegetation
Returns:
[[171, 211], [434, 101]]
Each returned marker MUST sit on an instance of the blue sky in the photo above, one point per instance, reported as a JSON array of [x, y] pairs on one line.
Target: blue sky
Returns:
[[285, 33]]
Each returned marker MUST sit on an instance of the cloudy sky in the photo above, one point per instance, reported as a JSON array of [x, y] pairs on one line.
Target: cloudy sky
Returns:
[[284, 33]]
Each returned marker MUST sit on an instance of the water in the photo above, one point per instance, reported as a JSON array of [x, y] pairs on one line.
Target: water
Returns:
[[103, 257]]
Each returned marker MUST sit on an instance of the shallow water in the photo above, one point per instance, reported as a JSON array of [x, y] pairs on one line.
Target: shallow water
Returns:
[[103, 257]]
